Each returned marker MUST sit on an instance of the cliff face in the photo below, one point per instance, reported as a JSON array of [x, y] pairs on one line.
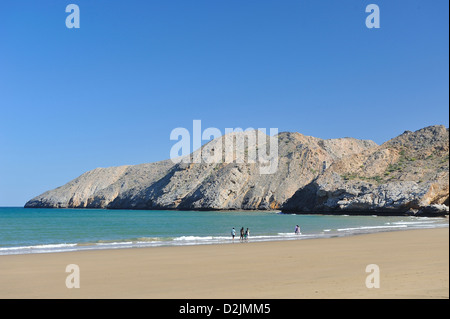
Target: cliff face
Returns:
[[407, 173], [226, 185]]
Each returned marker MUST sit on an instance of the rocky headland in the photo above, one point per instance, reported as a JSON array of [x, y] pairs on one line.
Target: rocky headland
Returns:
[[407, 175]]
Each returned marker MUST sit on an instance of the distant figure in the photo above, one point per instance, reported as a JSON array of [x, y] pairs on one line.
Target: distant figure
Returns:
[[233, 234], [247, 234], [297, 229], [241, 238]]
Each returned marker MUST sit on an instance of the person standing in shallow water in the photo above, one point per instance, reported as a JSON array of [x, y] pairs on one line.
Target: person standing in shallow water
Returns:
[[241, 238], [247, 234], [233, 234]]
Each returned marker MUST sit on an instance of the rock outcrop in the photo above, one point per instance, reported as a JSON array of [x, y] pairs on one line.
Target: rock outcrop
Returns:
[[406, 175], [234, 184]]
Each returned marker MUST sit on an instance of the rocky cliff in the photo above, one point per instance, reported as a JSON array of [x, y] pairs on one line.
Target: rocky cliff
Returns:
[[406, 174]]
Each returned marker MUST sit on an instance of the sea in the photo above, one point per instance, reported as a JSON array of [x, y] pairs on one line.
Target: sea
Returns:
[[31, 230]]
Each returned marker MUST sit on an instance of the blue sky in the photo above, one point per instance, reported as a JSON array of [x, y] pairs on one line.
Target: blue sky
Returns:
[[110, 92]]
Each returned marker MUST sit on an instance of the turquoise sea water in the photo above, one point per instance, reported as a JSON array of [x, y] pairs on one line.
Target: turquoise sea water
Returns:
[[54, 230]]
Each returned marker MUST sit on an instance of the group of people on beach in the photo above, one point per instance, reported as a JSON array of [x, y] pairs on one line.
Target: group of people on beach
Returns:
[[243, 236]]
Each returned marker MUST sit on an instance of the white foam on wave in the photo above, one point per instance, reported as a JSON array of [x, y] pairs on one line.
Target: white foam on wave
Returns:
[[49, 246], [193, 238], [36, 249], [287, 234], [415, 222], [121, 243], [371, 227]]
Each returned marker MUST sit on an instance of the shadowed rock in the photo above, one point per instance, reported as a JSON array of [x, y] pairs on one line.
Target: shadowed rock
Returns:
[[406, 175]]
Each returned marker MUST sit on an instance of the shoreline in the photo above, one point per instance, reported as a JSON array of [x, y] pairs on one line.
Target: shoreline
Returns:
[[413, 264], [218, 240], [383, 213]]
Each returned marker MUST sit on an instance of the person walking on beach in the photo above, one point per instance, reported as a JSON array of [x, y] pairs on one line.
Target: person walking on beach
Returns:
[[241, 238], [233, 234]]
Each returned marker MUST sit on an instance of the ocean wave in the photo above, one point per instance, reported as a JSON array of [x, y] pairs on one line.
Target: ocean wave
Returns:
[[192, 238], [371, 227], [415, 222], [149, 239], [36, 248]]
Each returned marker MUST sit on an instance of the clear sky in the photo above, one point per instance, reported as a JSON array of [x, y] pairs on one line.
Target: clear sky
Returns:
[[110, 92]]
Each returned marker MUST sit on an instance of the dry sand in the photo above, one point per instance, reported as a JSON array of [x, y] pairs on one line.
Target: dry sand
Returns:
[[412, 263]]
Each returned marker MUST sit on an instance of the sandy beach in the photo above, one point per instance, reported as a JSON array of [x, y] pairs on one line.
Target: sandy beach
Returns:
[[412, 264]]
